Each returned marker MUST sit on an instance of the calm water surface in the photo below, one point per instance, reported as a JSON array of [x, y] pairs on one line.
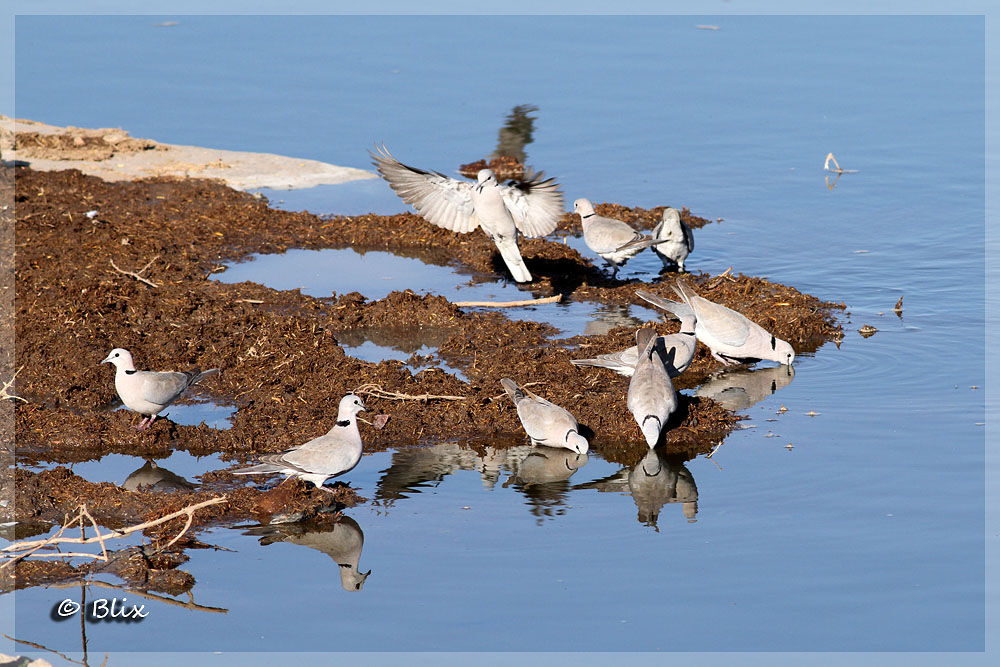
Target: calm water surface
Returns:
[[858, 529]]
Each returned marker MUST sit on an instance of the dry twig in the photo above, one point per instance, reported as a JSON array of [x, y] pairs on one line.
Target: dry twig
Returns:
[[136, 274], [507, 304], [8, 385], [31, 546], [371, 389], [836, 169]]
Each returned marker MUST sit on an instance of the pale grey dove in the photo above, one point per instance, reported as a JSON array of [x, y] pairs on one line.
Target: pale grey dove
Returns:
[[321, 458], [532, 208], [678, 241], [613, 240], [545, 422], [683, 344], [149, 392], [651, 395], [731, 336]]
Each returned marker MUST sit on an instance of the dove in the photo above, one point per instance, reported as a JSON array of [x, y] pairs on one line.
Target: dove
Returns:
[[683, 344], [677, 241], [149, 392], [730, 335], [321, 458], [651, 395], [545, 422], [613, 240], [532, 207]]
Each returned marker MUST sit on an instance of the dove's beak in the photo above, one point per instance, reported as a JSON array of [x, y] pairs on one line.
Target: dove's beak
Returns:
[[106, 360]]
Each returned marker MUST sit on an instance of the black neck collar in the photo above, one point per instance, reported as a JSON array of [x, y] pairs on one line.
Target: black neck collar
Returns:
[[346, 422]]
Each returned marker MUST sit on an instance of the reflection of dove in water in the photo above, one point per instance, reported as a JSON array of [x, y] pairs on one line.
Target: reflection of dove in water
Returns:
[[678, 241], [532, 208], [550, 464], [342, 543], [730, 335], [683, 343], [742, 389], [543, 477], [655, 482], [151, 477], [149, 392]]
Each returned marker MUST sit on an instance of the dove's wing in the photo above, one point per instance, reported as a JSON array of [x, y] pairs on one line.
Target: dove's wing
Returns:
[[688, 237], [536, 204], [726, 325], [723, 324], [327, 454], [164, 388], [605, 235], [439, 199]]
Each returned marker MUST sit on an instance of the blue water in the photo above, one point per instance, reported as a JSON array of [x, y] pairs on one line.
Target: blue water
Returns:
[[865, 535]]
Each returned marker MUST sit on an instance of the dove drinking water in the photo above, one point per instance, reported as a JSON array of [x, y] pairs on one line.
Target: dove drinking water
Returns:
[[532, 207], [731, 336], [651, 395], [677, 350], [149, 392], [545, 422]]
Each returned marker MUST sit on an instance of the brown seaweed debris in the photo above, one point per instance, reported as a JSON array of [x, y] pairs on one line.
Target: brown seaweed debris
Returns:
[[504, 167], [283, 366]]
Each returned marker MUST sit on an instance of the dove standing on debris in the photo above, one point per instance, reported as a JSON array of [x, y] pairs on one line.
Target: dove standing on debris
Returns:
[[613, 240], [545, 422], [321, 458], [149, 392], [651, 395], [532, 207], [677, 239], [676, 350], [730, 335]]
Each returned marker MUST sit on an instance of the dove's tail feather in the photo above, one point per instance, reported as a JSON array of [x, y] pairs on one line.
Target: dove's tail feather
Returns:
[[515, 392], [512, 258], [259, 469], [616, 366], [684, 291], [639, 244], [644, 338], [203, 374], [681, 310]]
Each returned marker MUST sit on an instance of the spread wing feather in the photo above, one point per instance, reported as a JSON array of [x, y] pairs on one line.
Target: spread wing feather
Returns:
[[439, 199], [536, 204]]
